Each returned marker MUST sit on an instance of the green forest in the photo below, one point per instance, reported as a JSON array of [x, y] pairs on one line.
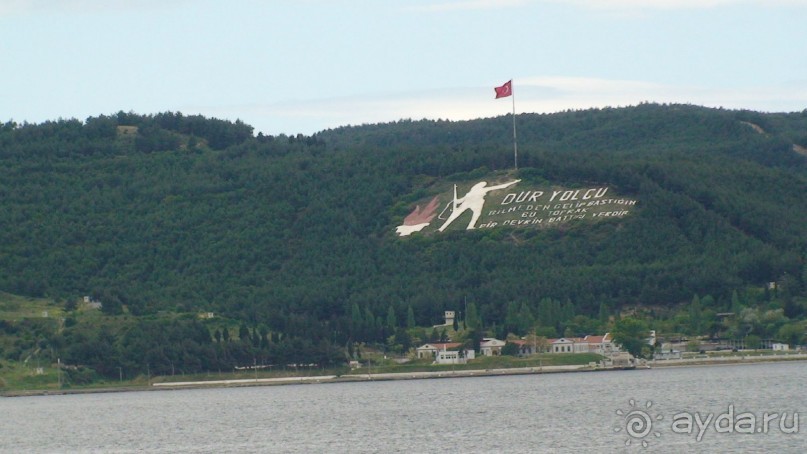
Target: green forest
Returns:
[[290, 240]]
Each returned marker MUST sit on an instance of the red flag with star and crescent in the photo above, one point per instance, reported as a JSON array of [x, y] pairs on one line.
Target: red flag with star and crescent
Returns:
[[505, 90]]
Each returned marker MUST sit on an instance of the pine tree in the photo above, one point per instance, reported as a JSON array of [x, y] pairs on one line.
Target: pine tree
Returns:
[[392, 322], [472, 320], [695, 313]]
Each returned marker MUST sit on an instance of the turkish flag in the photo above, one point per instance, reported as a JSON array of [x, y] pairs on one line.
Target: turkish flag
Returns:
[[505, 90]]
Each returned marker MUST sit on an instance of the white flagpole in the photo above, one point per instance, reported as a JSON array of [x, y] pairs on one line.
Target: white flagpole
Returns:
[[515, 143]]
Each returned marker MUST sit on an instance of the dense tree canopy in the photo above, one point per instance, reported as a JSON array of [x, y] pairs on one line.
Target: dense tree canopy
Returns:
[[296, 233]]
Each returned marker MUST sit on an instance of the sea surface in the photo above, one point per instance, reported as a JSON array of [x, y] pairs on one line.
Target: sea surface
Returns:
[[612, 411]]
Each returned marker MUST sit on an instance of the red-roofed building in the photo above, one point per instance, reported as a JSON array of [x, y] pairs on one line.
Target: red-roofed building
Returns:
[[531, 346], [602, 345]]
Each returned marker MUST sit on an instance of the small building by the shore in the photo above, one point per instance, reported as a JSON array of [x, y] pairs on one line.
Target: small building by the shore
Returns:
[[430, 350], [491, 346], [454, 356], [602, 345], [667, 354]]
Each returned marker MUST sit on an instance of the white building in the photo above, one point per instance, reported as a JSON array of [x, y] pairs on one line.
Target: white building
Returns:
[[454, 356], [602, 345], [431, 350], [491, 347], [445, 353], [449, 319]]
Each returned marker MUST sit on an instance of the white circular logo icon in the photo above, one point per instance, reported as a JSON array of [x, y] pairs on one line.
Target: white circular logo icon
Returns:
[[638, 423]]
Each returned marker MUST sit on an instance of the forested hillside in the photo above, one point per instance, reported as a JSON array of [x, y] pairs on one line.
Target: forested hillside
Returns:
[[293, 237]]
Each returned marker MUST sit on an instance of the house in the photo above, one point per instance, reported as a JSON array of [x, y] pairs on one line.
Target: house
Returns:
[[524, 347], [430, 350], [569, 345], [454, 356], [777, 347], [491, 347], [531, 345], [445, 353], [602, 345], [449, 319]]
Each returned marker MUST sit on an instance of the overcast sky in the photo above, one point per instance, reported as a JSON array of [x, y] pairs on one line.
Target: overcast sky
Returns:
[[306, 65]]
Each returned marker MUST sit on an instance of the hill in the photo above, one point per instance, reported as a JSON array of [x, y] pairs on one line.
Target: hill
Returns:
[[296, 236]]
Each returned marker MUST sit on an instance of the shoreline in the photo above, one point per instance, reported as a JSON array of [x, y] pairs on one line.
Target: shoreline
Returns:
[[391, 376], [727, 360]]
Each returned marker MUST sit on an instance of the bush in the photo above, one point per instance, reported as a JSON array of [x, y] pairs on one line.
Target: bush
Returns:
[[81, 375], [510, 349]]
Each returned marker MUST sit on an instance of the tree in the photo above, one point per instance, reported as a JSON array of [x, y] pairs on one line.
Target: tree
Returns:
[[631, 334], [511, 318], [403, 339], [510, 349], [804, 275], [792, 334], [537, 343], [70, 304], [602, 314], [392, 323], [356, 321], [243, 333], [410, 318], [736, 306], [695, 316], [474, 339], [472, 320]]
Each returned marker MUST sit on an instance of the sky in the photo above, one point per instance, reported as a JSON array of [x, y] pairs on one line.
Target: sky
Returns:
[[303, 66]]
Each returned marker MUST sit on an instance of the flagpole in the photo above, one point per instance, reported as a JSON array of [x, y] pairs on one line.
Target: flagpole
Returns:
[[502, 92], [515, 142]]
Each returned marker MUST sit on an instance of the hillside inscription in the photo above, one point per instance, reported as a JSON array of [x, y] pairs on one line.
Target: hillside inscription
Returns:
[[485, 206]]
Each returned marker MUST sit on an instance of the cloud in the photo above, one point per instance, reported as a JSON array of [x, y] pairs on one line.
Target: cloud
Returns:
[[636, 5], [461, 5], [603, 5]]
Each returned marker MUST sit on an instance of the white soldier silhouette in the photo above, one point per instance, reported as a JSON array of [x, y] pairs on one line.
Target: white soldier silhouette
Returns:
[[474, 200]]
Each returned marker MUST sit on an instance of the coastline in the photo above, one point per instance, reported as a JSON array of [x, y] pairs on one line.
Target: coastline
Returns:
[[350, 378], [726, 360]]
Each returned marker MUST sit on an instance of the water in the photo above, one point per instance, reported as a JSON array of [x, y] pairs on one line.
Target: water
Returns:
[[528, 413]]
